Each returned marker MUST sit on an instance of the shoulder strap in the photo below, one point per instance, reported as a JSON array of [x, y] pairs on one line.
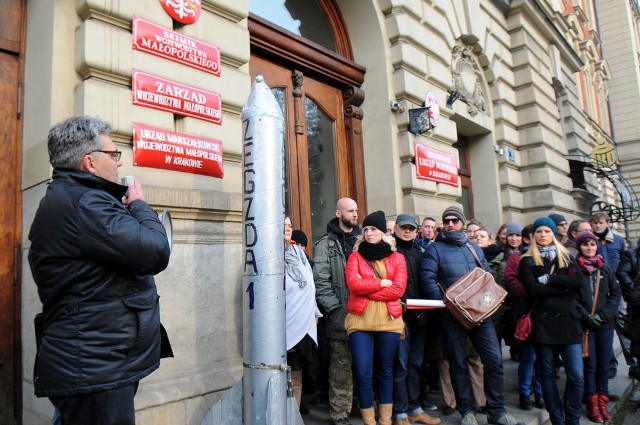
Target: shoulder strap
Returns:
[[595, 296], [375, 272], [475, 254]]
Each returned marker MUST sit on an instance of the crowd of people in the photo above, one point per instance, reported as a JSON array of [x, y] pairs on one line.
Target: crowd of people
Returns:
[[577, 281]]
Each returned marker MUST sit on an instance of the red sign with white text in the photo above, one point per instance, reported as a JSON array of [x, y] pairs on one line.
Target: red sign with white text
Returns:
[[151, 38], [436, 165], [157, 148], [158, 93], [183, 11]]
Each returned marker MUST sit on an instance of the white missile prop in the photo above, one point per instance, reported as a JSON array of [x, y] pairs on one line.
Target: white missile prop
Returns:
[[264, 329]]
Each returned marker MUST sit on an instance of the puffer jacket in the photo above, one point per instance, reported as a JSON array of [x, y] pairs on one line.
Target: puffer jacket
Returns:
[[444, 262], [557, 312], [329, 261], [364, 285], [93, 259]]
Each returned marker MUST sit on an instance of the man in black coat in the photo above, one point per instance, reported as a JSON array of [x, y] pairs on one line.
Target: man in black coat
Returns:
[[628, 274], [93, 255], [410, 354]]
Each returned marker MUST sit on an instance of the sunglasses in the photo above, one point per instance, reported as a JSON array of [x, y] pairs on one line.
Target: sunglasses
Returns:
[[450, 220]]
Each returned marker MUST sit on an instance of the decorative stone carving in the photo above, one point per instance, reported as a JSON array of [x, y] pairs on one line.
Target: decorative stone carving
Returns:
[[466, 79]]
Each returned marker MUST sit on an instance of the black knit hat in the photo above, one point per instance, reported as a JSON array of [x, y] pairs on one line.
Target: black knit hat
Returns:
[[376, 219], [299, 237]]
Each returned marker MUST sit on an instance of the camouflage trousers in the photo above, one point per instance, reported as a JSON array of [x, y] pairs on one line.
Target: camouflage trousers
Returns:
[[340, 379]]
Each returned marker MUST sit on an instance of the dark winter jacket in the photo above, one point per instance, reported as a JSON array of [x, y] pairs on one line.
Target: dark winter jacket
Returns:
[[329, 261], [629, 277], [611, 247], [557, 313], [413, 257], [608, 296], [93, 259], [446, 261]]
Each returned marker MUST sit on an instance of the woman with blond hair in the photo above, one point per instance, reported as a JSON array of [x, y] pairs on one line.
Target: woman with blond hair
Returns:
[[549, 276], [377, 277]]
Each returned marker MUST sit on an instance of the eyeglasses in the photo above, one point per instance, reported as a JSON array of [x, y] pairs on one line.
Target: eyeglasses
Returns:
[[450, 220], [116, 155]]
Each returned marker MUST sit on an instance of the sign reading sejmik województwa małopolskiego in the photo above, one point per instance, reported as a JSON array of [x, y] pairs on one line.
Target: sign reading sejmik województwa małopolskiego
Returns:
[[152, 38], [158, 148], [159, 93]]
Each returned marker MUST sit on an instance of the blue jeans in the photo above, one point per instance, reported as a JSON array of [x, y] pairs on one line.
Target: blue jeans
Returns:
[[571, 354], [406, 375], [485, 341], [111, 407], [367, 349], [596, 366], [528, 371]]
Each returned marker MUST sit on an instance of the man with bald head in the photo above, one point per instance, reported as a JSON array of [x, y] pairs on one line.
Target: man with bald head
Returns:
[[330, 258]]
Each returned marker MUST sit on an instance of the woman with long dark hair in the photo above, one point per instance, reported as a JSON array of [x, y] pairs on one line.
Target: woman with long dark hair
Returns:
[[377, 277]]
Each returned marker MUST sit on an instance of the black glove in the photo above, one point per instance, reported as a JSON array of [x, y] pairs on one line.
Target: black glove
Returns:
[[594, 322]]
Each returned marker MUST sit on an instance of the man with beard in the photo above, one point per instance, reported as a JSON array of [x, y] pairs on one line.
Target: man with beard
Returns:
[[330, 258], [444, 262]]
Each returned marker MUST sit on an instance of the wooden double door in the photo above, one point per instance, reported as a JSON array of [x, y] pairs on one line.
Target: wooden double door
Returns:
[[11, 70], [323, 134]]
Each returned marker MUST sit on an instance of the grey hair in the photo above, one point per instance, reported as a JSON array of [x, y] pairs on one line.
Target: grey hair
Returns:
[[75, 137]]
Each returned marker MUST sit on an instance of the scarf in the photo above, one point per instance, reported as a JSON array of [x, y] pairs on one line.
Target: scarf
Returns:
[[403, 243], [293, 264], [548, 252], [454, 237], [591, 264], [377, 251], [491, 251]]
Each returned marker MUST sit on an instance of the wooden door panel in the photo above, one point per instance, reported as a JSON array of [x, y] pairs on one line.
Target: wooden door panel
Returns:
[[328, 100], [9, 228], [11, 22]]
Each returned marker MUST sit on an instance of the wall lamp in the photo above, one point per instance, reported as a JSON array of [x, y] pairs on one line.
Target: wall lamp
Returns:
[[419, 120], [452, 98]]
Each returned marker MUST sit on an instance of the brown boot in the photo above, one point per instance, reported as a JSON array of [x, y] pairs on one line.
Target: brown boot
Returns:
[[593, 409], [424, 418], [603, 401], [296, 379], [384, 414], [368, 416]]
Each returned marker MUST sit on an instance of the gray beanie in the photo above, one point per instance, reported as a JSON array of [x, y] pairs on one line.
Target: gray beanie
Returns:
[[514, 229], [455, 211]]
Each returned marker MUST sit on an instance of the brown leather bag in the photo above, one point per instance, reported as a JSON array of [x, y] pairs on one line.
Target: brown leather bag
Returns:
[[474, 297]]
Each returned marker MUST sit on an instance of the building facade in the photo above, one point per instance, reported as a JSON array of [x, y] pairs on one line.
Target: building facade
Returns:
[[620, 33], [521, 87]]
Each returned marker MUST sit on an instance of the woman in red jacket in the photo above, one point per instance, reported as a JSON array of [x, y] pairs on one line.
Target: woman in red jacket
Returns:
[[377, 277]]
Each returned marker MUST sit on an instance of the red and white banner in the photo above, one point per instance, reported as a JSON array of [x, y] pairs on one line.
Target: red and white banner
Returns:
[[436, 165], [152, 38], [157, 148], [183, 11], [158, 93]]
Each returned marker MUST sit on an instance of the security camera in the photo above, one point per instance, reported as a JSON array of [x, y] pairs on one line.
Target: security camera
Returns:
[[396, 107]]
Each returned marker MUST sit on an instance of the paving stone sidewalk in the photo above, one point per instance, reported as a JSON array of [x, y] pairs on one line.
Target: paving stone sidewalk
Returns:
[[621, 385]]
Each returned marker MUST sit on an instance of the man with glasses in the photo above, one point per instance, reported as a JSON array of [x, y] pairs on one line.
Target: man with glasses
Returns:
[[93, 255], [563, 227], [444, 262]]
